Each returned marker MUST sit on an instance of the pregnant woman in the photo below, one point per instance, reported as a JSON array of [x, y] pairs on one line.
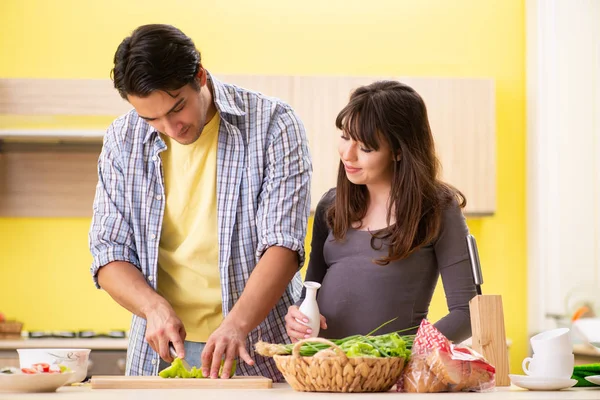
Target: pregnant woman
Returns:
[[390, 228]]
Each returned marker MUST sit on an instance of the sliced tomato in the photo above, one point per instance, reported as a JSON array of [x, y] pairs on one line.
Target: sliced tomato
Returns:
[[41, 367], [29, 371]]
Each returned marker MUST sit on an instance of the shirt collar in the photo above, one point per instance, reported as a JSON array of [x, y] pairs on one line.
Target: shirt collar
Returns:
[[225, 98]]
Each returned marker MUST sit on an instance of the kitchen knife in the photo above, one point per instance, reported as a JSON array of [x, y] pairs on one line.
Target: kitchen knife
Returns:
[[173, 353], [475, 264]]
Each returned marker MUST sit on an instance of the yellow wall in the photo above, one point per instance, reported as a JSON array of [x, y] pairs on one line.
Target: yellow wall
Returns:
[[77, 39]]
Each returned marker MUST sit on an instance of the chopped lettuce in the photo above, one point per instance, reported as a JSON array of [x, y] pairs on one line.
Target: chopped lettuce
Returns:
[[389, 345], [177, 370], [354, 348]]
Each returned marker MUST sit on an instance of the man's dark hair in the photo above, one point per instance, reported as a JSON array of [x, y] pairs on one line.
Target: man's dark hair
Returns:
[[155, 57]]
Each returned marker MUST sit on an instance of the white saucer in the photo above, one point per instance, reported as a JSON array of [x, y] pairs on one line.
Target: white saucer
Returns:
[[595, 379], [539, 383]]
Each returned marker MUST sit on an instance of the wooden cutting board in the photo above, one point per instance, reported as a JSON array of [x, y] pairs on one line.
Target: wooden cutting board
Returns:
[[156, 382]]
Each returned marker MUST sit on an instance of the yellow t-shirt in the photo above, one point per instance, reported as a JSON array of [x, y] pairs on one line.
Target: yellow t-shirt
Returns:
[[188, 256]]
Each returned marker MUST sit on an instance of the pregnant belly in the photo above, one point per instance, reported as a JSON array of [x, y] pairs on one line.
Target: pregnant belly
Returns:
[[358, 306]]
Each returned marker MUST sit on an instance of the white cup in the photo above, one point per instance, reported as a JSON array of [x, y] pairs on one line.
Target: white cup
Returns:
[[555, 341], [549, 365]]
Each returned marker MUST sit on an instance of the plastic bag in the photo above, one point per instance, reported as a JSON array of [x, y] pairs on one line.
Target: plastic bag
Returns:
[[436, 365]]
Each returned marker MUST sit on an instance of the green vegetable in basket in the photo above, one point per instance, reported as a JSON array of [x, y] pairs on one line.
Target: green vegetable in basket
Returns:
[[355, 348], [393, 344], [387, 345]]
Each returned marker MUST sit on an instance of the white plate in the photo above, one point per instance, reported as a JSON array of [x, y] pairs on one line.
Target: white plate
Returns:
[[30, 383], [539, 383], [595, 379]]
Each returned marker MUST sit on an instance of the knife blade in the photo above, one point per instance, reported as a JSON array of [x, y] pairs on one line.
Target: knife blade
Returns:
[[173, 353], [475, 263]]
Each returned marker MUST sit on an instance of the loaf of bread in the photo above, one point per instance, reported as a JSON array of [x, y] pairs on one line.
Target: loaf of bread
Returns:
[[477, 377], [436, 365], [459, 375], [418, 378], [445, 368]]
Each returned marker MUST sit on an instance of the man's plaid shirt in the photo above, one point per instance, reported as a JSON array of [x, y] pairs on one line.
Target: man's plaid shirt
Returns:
[[263, 199]]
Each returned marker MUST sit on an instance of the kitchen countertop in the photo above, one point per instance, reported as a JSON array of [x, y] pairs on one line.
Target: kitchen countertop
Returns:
[[283, 391], [76, 343]]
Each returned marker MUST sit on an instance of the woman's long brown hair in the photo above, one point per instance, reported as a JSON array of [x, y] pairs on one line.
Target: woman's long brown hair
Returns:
[[395, 113]]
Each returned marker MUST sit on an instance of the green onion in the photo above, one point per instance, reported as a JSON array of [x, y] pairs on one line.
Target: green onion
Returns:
[[391, 344]]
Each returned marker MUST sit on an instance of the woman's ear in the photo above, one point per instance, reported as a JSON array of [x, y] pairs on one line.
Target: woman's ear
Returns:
[[398, 157]]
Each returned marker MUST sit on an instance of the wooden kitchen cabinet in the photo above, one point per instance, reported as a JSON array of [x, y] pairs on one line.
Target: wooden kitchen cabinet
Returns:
[[107, 362], [52, 173]]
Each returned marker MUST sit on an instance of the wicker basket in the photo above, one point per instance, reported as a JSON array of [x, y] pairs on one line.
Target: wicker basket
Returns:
[[10, 329], [338, 373]]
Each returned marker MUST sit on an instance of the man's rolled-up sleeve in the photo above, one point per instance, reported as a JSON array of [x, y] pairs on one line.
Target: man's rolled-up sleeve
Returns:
[[110, 236], [284, 203]]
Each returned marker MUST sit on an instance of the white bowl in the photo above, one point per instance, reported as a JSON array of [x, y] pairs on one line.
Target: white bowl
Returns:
[[26, 383], [588, 329], [76, 359]]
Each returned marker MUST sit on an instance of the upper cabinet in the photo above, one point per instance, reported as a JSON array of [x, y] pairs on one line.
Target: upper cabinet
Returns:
[[60, 180]]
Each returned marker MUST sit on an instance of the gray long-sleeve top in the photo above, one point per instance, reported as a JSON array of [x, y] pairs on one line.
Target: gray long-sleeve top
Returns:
[[358, 295]]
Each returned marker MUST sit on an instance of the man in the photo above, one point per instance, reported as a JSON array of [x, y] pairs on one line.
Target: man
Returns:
[[200, 210]]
